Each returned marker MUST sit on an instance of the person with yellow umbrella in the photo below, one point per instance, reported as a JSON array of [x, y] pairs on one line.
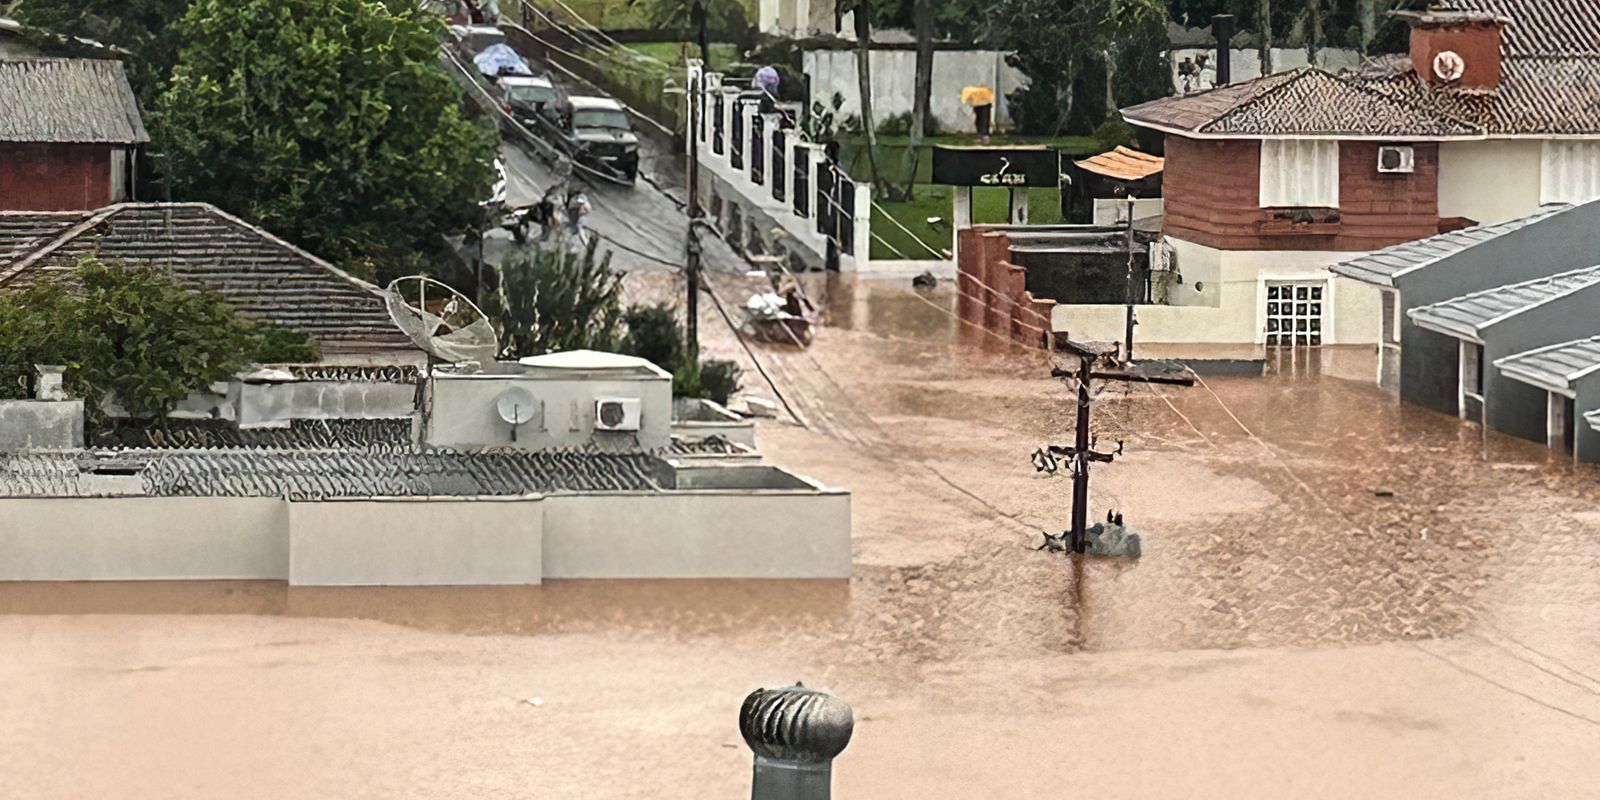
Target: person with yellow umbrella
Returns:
[[981, 98]]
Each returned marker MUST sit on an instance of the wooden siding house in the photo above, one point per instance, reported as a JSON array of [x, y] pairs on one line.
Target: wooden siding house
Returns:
[[69, 134]]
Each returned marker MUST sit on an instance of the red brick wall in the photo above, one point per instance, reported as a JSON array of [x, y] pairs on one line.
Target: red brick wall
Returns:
[[1212, 193], [1478, 44], [991, 291], [54, 177]]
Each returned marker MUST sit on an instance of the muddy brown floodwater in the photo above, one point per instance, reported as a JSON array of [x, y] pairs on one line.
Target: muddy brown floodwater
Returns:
[[1339, 596]]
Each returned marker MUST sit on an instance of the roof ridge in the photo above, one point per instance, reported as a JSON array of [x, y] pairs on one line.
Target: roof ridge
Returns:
[[62, 238]]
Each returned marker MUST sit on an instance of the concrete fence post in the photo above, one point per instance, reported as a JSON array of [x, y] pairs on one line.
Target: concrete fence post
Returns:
[[795, 733], [815, 158], [752, 117], [862, 225], [730, 104]]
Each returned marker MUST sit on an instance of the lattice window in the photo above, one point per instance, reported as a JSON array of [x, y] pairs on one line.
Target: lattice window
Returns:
[[1294, 313]]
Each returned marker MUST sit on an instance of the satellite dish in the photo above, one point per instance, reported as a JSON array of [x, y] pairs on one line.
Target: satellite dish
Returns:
[[1448, 65], [441, 320], [516, 406]]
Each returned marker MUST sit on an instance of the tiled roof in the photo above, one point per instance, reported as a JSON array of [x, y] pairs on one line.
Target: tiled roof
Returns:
[[1302, 102], [68, 100], [1556, 366], [204, 247], [318, 474], [1469, 314], [21, 231], [1123, 164], [1380, 267], [1550, 84], [302, 434]]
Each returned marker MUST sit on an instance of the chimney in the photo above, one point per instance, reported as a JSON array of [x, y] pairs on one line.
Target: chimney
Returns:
[[1222, 29], [1456, 49]]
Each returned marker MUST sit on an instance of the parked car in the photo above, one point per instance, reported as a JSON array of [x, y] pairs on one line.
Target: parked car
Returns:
[[597, 131], [527, 99]]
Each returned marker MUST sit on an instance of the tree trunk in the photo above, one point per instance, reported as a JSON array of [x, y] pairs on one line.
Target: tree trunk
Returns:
[[1314, 43], [1266, 37], [1368, 12], [922, 14], [864, 78], [697, 21]]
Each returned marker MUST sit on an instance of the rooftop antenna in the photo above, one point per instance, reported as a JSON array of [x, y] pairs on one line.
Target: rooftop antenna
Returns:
[[448, 327], [516, 406]]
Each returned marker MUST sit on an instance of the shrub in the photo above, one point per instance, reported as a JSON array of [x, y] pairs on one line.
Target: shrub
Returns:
[[654, 334], [553, 299], [1113, 133]]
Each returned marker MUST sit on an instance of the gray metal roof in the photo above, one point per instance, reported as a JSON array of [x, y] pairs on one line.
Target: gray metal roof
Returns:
[[1468, 315], [1554, 367], [1380, 267], [1593, 418], [68, 100]]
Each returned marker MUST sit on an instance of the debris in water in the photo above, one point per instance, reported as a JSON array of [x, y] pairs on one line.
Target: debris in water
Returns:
[[535, 701]]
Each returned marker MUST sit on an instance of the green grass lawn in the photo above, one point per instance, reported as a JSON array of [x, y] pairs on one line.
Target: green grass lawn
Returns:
[[989, 205]]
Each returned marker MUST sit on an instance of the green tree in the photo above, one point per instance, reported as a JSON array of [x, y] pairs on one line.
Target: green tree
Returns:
[[552, 299], [328, 121], [133, 333], [141, 27], [1084, 57]]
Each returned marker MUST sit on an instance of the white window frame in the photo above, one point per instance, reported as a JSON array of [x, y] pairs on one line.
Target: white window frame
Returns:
[[1299, 173], [1569, 171]]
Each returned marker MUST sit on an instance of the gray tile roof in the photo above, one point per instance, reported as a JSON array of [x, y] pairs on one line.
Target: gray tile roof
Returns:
[[1468, 315], [318, 474], [1556, 366], [68, 100], [1380, 267], [1302, 102], [1550, 84], [302, 434], [203, 247]]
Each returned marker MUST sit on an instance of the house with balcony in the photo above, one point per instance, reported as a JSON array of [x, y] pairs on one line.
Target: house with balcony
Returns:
[[1493, 114]]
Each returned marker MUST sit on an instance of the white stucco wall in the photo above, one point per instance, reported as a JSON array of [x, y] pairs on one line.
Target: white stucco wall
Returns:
[[143, 538], [894, 79], [1230, 306], [1489, 181], [698, 535], [463, 413], [416, 542]]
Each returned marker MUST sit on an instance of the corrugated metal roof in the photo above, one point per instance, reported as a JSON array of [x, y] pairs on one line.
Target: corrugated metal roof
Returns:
[[206, 248], [68, 100], [1468, 315], [1556, 366], [1381, 266], [1593, 418], [1123, 164]]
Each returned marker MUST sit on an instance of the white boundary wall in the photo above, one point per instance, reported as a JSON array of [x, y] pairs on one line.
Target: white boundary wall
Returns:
[[429, 541]]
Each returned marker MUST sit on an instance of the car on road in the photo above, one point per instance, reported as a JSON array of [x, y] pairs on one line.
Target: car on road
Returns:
[[598, 132], [528, 99]]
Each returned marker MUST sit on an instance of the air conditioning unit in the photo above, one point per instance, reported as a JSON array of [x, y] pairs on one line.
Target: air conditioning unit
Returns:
[[1395, 158], [616, 414]]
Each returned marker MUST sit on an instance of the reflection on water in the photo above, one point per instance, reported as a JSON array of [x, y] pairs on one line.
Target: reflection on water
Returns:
[[678, 606]]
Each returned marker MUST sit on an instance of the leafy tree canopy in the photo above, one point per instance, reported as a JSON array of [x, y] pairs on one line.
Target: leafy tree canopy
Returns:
[[328, 121], [134, 333]]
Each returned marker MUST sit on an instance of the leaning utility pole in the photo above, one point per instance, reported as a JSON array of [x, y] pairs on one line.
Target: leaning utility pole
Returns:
[[1095, 363], [691, 268], [1127, 352]]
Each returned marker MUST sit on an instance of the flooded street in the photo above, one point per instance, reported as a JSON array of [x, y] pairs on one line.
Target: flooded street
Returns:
[[1339, 597]]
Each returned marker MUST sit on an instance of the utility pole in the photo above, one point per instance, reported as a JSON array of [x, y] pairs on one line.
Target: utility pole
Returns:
[[1093, 366], [1127, 352], [691, 267]]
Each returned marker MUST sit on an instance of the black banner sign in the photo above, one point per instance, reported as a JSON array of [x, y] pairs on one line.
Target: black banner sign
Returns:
[[996, 166]]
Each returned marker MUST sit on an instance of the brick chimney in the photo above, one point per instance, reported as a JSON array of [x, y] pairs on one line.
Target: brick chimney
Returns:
[[1457, 48]]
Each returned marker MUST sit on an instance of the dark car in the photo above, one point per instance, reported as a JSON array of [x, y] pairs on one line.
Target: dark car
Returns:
[[597, 131]]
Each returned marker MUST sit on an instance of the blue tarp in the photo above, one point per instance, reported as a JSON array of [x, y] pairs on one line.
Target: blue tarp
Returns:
[[500, 59]]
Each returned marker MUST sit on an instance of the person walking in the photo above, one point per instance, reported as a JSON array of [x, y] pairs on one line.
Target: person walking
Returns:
[[981, 98]]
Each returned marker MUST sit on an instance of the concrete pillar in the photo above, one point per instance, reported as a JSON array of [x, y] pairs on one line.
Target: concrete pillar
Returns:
[[960, 217], [1019, 205], [1555, 433], [751, 111], [791, 158], [730, 104], [815, 157], [862, 227], [769, 128], [795, 734]]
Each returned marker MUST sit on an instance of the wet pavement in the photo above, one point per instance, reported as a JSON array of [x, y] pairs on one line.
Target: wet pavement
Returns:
[[1340, 596]]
